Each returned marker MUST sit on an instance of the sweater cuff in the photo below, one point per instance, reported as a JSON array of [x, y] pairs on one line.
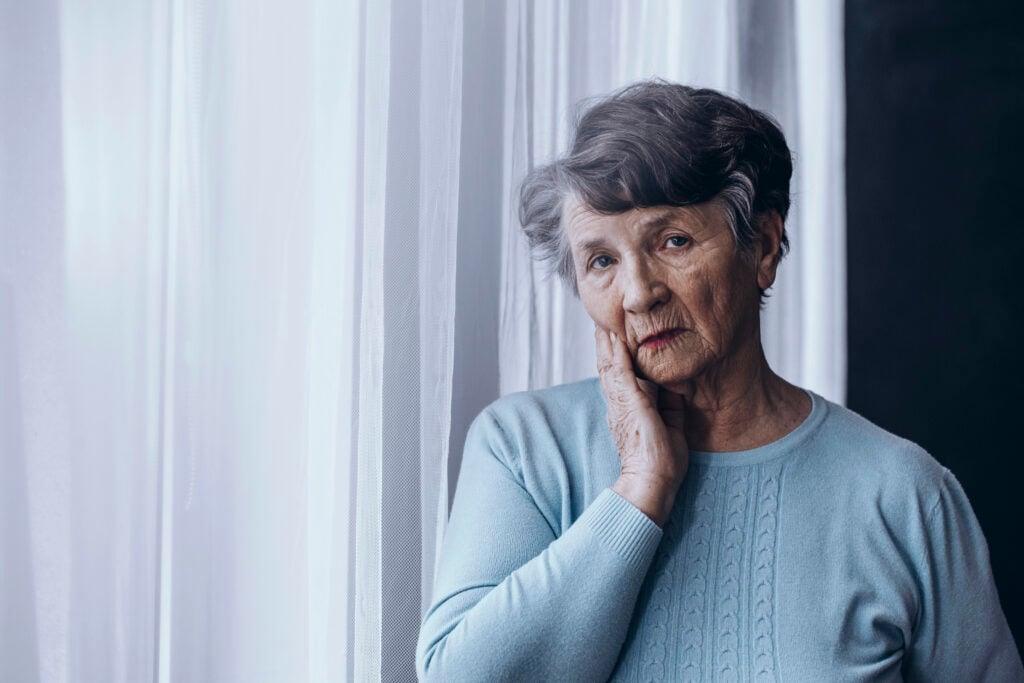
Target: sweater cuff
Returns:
[[623, 527]]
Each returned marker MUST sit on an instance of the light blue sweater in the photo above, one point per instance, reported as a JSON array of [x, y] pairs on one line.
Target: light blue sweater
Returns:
[[837, 553]]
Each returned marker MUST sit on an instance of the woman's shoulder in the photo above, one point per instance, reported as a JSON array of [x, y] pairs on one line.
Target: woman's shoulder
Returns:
[[870, 460], [545, 432], [852, 433], [550, 408]]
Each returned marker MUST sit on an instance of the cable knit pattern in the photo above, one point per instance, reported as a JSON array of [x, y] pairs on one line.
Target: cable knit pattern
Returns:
[[661, 602], [695, 589], [700, 623], [765, 537], [730, 575]]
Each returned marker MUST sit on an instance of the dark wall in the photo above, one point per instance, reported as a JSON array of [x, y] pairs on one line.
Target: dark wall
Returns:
[[935, 110]]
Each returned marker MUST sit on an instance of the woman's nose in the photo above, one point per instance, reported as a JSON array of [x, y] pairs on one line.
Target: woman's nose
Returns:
[[644, 289]]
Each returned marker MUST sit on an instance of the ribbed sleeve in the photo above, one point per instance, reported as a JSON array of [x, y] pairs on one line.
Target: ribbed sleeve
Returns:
[[623, 528]]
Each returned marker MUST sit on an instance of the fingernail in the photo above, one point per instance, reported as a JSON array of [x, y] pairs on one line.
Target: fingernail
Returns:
[[614, 337]]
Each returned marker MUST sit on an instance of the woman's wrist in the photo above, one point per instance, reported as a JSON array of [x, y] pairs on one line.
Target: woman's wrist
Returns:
[[652, 496]]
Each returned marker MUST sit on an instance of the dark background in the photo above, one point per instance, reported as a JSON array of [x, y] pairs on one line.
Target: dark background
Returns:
[[935, 110]]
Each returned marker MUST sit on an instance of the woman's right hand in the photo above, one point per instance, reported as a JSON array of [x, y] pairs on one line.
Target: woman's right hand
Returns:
[[646, 423]]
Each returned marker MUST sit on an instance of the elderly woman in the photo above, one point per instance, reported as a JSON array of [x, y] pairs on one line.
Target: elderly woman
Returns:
[[691, 515]]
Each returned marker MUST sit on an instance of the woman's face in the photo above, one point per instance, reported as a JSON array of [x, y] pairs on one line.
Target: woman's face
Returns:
[[671, 283]]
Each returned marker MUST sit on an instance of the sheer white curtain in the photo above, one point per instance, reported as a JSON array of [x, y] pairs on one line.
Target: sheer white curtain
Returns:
[[784, 56], [234, 342], [226, 318]]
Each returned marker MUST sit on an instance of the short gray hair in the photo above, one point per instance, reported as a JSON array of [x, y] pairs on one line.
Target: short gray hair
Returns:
[[660, 144]]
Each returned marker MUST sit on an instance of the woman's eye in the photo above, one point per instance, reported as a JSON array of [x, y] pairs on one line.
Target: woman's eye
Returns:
[[677, 241], [601, 262]]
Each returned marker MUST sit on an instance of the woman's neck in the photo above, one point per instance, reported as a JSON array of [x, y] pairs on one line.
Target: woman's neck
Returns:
[[742, 406]]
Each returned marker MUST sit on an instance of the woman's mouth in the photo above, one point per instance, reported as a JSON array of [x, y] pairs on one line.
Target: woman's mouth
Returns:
[[656, 341]]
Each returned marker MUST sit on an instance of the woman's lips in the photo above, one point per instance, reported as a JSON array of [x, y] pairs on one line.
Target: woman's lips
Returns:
[[661, 339]]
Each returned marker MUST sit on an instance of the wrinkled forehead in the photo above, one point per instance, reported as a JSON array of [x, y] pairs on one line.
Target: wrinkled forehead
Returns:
[[581, 223]]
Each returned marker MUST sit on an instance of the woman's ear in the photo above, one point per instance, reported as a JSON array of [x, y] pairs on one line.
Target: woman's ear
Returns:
[[769, 245]]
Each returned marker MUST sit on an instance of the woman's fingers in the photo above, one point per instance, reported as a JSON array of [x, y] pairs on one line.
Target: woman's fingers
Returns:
[[620, 355], [605, 363], [603, 345], [620, 384], [652, 453], [611, 380]]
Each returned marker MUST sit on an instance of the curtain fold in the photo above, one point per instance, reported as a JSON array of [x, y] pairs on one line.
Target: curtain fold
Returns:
[[254, 280], [368, 491], [440, 118]]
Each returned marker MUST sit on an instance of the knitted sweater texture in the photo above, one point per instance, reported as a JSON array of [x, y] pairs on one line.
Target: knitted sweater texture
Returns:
[[839, 552]]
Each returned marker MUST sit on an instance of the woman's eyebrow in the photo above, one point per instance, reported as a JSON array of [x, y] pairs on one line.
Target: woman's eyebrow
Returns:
[[591, 244], [661, 220]]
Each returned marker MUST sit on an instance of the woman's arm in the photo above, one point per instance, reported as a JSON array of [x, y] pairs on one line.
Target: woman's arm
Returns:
[[961, 633], [512, 601]]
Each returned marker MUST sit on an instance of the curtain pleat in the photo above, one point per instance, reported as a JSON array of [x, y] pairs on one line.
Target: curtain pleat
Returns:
[[330, 368], [441, 99], [821, 194], [105, 573], [376, 93]]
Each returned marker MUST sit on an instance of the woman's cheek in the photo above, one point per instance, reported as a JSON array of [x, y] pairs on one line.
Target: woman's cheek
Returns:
[[596, 306], [612, 317]]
